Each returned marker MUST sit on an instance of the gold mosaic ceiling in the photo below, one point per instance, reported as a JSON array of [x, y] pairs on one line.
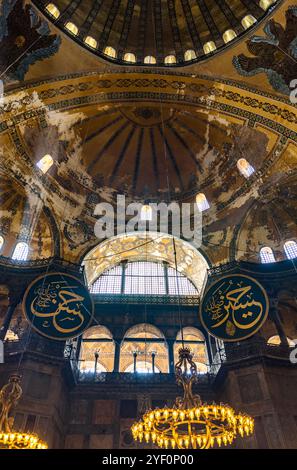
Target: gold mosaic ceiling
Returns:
[[101, 131], [131, 130], [158, 28]]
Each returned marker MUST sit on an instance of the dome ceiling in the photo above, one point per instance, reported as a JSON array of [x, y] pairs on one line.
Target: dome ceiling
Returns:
[[112, 134], [146, 151], [186, 29], [270, 221]]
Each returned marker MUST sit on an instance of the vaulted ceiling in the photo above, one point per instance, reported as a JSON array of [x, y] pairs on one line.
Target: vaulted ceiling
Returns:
[[150, 134]]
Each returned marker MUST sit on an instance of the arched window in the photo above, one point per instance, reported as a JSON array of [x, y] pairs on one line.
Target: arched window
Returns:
[[45, 163], [193, 339], [190, 54], [146, 213], [209, 47], [143, 277], [291, 249], [267, 255], [97, 351], [144, 349], [265, 4], [170, 59], [90, 41], [111, 52], [53, 10], [21, 252], [276, 341], [248, 21], [202, 202], [1, 242], [229, 35], [129, 57], [245, 168], [150, 59], [72, 28]]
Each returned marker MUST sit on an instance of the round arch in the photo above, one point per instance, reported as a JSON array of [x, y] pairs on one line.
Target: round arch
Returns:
[[148, 246], [144, 349], [97, 350], [194, 339]]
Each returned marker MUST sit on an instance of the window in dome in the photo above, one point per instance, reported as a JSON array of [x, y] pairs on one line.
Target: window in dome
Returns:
[[129, 57], [111, 52], [1, 242], [170, 59], [21, 252], [209, 47], [291, 249], [72, 28], [267, 255], [202, 202], [265, 4], [45, 163], [245, 168], [190, 54], [91, 42], [53, 10], [146, 213], [150, 59], [229, 35], [248, 21]]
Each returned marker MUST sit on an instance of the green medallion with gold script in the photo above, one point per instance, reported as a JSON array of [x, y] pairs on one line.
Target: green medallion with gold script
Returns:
[[58, 306], [234, 307]]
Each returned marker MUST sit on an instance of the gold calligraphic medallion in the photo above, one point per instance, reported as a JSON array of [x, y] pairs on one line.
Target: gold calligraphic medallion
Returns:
[[58, 306], [234, 307]]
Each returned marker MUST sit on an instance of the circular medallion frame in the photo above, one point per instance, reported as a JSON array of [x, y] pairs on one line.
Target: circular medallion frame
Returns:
[[37, 284], [259, 324]]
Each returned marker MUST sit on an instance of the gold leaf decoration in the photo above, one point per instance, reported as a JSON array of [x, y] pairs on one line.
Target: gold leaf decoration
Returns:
[[230, 328]]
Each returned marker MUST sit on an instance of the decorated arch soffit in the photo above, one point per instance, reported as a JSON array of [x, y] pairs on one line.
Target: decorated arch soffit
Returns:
[[121, 133], [149, 246]]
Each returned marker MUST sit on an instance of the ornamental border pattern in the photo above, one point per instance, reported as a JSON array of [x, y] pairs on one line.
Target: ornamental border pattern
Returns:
[[170, 98], [113, 72]]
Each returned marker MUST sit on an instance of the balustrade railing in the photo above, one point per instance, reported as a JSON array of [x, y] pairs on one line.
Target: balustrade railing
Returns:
[[233, 353]]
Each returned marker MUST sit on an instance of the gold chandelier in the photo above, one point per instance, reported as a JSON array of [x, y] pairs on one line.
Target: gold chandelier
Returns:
[[190, 424], [9, 396]]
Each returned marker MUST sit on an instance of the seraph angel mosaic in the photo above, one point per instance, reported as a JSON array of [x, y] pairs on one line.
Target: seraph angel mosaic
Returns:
[[234, 307], [24, 39], [275, 55]]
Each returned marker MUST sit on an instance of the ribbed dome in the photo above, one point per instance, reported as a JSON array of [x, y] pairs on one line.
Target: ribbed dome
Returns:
[[155, 32]]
